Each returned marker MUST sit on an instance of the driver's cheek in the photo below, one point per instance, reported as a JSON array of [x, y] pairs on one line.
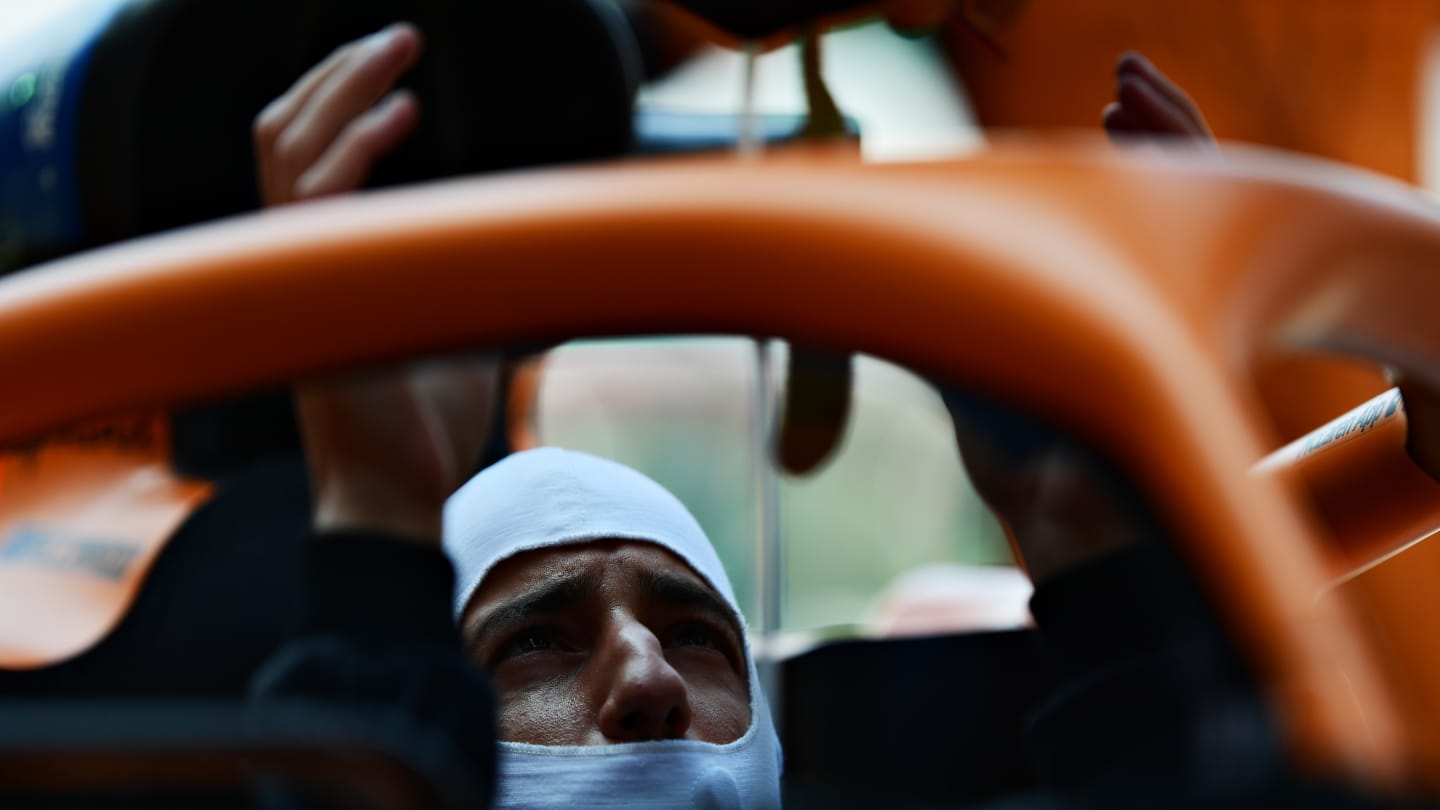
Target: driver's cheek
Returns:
[[552, 711], [720, 704]]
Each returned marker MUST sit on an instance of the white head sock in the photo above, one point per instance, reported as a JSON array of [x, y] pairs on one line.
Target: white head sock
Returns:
[[552, 497]]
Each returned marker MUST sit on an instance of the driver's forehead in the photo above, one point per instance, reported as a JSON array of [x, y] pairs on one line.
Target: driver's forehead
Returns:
[[613, 563]]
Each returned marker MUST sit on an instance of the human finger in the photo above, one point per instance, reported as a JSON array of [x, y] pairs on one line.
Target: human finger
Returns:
[[1118, 120], [278, 114], [347, 92], [1124, 128], [1132, 64], [348, 160], [1148, 106]]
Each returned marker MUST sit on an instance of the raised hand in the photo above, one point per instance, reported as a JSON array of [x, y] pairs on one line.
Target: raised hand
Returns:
[[385, 449], [1148, 104], [324, 135]]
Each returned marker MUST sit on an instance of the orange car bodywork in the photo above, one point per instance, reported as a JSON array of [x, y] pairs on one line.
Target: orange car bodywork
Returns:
[[1337, 80], [83, 513], [1127, 299]]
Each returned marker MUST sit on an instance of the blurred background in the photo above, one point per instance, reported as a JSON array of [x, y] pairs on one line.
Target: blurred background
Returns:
[[892, 498]]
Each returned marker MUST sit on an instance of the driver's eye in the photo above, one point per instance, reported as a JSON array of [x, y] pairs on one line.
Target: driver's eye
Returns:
[[526, 642], [698, 634]]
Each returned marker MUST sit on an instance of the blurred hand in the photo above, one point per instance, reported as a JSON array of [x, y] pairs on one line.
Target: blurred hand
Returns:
[[324, 135], [384, 450], [1148, 104]]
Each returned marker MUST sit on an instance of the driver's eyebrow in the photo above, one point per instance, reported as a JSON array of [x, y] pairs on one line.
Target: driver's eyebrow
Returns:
[[674, 589], [548, 597]]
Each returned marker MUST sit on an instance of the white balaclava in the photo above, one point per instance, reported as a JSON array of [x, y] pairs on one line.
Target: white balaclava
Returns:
[[552, 497]]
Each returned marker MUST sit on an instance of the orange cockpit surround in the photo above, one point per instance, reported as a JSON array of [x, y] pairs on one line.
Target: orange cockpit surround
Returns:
[[1124, 298], [1336, 80], [82, 515]]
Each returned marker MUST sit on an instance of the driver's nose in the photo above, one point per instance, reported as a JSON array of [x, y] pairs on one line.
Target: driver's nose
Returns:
[[646, 698]]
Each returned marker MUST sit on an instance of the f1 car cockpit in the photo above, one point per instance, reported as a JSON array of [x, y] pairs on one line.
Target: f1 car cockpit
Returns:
[[897, 396]]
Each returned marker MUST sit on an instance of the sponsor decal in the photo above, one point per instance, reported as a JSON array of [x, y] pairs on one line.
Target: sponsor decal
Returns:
[[1365, 418], [31, 545]]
